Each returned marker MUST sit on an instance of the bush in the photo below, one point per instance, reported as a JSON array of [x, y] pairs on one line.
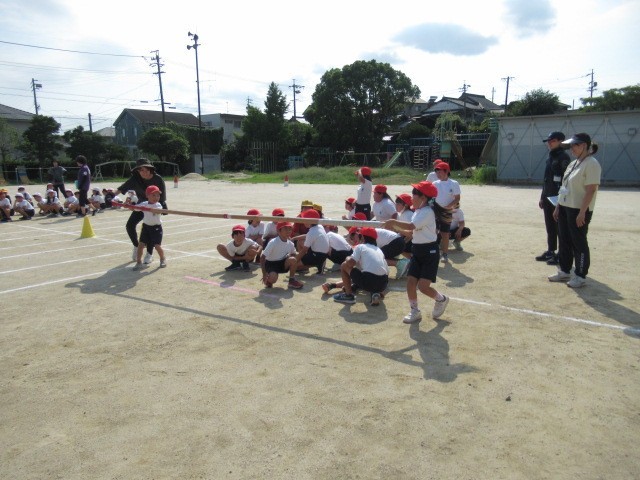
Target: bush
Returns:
[[485, 175]]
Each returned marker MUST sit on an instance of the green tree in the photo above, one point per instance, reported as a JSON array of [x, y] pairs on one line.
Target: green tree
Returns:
[[9, 140], [353, 106], [165, 144], [91, 145], [535, 102], [414, 130], [448, 124], [40, 140], [625, 98], [268, 126]]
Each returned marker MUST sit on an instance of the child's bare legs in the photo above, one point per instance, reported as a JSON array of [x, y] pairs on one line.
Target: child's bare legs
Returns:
[[141, 249], [160, 251]]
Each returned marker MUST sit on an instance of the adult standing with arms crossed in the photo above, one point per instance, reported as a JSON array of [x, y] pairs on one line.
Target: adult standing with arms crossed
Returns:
[[84, 182], [576, 201], [557, 162], [143, 175]]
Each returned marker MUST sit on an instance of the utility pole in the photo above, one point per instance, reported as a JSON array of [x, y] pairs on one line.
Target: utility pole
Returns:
[[195, 47], [506, 96], [463, 89], [90, 124], [493, 91], [248, 102], [592, 85], [35, 86], [295, 90], [159, 73]]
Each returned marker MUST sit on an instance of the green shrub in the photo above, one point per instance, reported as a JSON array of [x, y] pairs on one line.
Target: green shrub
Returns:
[[485, 175]]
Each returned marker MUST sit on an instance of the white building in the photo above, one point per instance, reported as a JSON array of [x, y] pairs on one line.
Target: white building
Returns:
[[229, 123]]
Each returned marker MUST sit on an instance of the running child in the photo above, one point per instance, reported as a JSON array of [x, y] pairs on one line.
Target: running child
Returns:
[[279, 256], [151, 233]]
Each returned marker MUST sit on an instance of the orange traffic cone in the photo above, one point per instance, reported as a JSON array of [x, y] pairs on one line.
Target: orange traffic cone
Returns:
[[286, 180], [175, 181]]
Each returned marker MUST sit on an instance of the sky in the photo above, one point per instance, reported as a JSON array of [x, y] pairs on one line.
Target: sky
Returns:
[[96, 58]]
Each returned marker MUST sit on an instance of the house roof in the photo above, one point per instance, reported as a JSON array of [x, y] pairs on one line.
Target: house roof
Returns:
[[107, 132], [467, 101], [480, 100], [10, 113], [152, 116]]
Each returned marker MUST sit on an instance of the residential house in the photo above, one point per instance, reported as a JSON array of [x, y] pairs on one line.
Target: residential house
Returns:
[[230, 124], [108, 133], [469, 106], [132, 123], [17, 119]]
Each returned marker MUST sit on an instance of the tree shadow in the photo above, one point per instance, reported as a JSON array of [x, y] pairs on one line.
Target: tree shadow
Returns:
[[434, 352], [602, 298]]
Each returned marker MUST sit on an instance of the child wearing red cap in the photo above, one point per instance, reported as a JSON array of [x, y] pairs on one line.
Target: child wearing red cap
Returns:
[[240, 250], [383, 207], [404, 207], [350, 207], [270, 229], [363, 194], [314, 250], [151, 233], [433, 176], [279, 256], [423, 266], [255, 229], [448, 198], [366, 268]]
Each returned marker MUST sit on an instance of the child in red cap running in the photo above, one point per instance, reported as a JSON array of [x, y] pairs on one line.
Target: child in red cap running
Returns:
[[151, 233]]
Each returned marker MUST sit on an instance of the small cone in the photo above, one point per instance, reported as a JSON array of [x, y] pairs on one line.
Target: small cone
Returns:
[[286, 180], [175, 181], [87, 230]]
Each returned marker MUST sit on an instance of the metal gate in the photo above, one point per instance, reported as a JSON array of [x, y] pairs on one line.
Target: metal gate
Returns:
[[522, 154]]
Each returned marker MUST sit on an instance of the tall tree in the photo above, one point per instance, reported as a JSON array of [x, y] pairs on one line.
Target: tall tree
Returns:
[[268, 126], [353, 106], [40, 140], [9, 140], [535, 102], [165, 144], [91, 145], [625, 98]]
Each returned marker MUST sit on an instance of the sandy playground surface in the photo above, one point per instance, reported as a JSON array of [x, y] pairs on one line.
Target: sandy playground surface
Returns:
[[191, 372]]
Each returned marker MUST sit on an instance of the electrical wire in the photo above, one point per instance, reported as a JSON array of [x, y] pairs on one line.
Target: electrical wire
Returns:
[[72, 51]]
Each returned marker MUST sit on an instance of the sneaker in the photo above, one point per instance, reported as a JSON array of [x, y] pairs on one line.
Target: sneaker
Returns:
[[93, 214], [414, 316], [138, 266], [440, 307], [163, 262], [347, 298], [25, 218], [402, 267], [134, 254], [545, 256], [148, 258], [246, 267], [375, 299], [576, 282], [295, 284], [560, 276], [553, 260], [458, 246], [234, 266], [327, 287], [445, 257]]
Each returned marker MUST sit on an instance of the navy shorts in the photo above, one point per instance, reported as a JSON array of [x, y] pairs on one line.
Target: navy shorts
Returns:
[[277, 266], [368, 281], [151, 235], [424, 261], [364, 208], [314, 259], [339, 256], [394, 248]]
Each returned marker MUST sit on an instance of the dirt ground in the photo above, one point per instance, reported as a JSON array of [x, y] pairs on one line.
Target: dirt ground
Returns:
[[191, 372]]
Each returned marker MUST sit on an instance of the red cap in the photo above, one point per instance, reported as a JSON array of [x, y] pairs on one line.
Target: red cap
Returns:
[[443, 166], [238, 228], [151, 189], [350, 200], [369, 232], [437, 161], [253, 211], [277, 212], [353, 230], [360, 216], [426, 188], [280, 225], [380, 188], [406, 198], [310, 214], [364, 171]]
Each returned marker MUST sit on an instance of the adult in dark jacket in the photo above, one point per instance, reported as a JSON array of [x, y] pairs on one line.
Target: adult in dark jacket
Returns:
[[554, 169], [84, 183], [56, 175], [143, 175]]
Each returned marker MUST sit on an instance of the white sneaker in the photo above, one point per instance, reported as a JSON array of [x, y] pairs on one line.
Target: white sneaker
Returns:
[[445, 258], [560, 276], [402, 267], [440, 307], [134, 254], [458, 246], [576, 282], [148, 258], [414, 316], [375, 299], [163, 263]]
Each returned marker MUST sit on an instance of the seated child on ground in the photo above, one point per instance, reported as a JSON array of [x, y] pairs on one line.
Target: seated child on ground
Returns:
[[239, 251], [279, 256]]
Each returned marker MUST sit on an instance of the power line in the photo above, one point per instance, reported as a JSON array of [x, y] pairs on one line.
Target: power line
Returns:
[[71, 51]]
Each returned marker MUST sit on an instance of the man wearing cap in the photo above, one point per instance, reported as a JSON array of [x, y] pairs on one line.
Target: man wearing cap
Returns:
[[143, 175], [557, 162]]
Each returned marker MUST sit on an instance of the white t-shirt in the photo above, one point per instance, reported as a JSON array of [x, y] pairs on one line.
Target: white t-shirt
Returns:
[[52, 200], [337, 242], [24, 205], [406, 216], [363, 194], [447, 189], [384, 209], [351, 213], [316, 239], [278, 249], [432, 177], [270, 231], [251, 230], [575, 179], [149, 217], [424, 221], [233, 249], [456, 217], [70, 200], [98, 198], [370, 258], [385, 237], [5, 203]]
